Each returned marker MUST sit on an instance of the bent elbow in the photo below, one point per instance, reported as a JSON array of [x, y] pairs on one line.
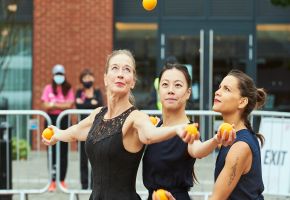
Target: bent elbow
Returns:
[[197, 155], [146, 140]]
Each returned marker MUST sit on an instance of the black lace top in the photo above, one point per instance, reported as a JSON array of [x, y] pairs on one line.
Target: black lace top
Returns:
[[114, 169]]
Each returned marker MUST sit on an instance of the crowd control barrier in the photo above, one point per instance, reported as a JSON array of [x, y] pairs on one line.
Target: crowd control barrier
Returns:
[[24, 168], [275, 126]]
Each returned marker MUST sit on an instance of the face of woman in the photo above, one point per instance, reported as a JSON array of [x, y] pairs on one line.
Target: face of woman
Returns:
[[120, 74], [227, 98], [173, 89]]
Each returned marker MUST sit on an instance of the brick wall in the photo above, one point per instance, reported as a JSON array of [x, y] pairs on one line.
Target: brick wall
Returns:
[[75, 33]]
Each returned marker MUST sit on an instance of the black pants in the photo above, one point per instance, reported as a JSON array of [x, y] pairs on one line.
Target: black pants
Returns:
[[63, 150], [84, 167]]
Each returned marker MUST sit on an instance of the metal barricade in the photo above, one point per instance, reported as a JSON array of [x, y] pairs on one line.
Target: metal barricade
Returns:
[[73, 175], [26, 170], [204, 168]]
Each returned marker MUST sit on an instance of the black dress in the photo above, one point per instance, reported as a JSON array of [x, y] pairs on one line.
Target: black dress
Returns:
[[114, 169]]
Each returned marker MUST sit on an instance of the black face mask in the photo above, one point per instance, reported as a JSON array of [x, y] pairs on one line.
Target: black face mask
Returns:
[[88, 84]]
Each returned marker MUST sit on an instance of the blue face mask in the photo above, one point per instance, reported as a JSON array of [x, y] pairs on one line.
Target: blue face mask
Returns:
[[58, 79]]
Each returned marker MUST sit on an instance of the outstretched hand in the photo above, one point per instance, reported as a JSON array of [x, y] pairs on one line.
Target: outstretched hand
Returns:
[[226, 138], [52, 140], [186, 135]]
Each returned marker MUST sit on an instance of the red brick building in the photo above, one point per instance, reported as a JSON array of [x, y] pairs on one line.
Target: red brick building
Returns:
[[77, 34]]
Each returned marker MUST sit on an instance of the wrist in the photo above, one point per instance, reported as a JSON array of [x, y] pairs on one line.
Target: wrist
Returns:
[[215, 140]]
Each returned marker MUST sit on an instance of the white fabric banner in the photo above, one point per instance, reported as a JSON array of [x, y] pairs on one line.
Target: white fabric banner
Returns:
[[275, 155]]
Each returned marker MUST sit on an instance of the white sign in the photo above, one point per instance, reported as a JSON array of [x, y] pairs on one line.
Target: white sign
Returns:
[[275, 155]]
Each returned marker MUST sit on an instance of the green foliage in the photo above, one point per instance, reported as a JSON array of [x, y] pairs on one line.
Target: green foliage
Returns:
[[282, 3], [23, 148]]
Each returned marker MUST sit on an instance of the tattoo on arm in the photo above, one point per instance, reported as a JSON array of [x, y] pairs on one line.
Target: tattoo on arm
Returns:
[[233, 172]]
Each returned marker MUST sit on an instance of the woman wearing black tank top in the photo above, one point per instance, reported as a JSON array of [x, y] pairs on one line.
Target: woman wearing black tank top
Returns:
[[169, 164], [115, 135], [238, 172]]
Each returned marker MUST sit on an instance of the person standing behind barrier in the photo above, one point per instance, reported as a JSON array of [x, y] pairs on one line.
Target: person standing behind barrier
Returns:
[[238, 172], [115, 135], [169, 164], [87, 97], [56, 97]]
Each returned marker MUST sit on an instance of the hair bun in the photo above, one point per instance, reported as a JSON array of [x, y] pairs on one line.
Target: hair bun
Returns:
[[261, 97]]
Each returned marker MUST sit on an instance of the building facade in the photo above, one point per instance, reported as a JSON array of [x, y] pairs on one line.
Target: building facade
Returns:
[[209, 36]]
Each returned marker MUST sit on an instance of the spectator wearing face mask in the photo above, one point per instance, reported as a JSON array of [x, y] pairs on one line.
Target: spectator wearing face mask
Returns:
[[87, 97], [56, 97]]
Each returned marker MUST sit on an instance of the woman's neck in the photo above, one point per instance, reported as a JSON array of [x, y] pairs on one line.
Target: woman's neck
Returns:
[[174, 117], [234, 119], [116, 105]]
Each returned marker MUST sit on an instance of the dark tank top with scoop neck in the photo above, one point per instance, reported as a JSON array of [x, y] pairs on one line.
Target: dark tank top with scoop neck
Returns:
[[114, 169]]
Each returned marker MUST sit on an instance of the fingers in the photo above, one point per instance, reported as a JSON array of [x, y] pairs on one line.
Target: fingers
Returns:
[[226, 138], [189, 138], [169, 196], [45, 141]]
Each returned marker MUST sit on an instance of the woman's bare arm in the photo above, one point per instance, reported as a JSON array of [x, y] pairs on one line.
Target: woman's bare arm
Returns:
[[236, 164], [76, 132]]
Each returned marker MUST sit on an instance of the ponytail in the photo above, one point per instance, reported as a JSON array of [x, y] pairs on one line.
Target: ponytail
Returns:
[[261, 98], [258, 135]]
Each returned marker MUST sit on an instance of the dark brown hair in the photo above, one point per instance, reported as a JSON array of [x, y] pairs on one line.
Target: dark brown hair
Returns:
[[256, 97], [84, 73], [179, 67], [65, 87]]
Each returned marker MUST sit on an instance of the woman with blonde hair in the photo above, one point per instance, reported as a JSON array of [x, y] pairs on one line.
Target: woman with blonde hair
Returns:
[[115, 135]]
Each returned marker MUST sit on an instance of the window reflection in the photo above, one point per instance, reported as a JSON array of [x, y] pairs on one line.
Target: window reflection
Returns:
[[229, 51], [186, 50], [273, 61], [141, 40]]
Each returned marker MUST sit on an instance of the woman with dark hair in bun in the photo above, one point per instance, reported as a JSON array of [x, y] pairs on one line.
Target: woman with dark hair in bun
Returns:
[[238, 173]]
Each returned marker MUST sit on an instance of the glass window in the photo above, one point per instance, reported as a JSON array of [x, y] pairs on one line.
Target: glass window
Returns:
[[15, 66], [186, 50], [229, 51], [141, 40], [273, 61]]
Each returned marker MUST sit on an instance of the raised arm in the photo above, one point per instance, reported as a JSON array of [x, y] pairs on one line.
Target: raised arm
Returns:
[[200, 149], [76, 132], [238, 162], [148, 133]]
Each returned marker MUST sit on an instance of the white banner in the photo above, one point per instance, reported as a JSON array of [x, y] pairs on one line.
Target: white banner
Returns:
[[275, 155]]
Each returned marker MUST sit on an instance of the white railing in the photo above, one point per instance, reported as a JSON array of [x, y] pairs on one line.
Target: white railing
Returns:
[[28, 172], [208, 120], [26, 179]]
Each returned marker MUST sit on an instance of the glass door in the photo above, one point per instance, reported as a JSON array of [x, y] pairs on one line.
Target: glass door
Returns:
[[187, 49], [226, 51]]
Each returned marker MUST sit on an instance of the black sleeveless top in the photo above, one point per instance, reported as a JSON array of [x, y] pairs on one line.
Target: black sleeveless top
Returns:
[[114, 169], [168, 165]]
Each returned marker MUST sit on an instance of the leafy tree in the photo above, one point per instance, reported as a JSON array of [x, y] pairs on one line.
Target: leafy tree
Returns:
[[282, 3]]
